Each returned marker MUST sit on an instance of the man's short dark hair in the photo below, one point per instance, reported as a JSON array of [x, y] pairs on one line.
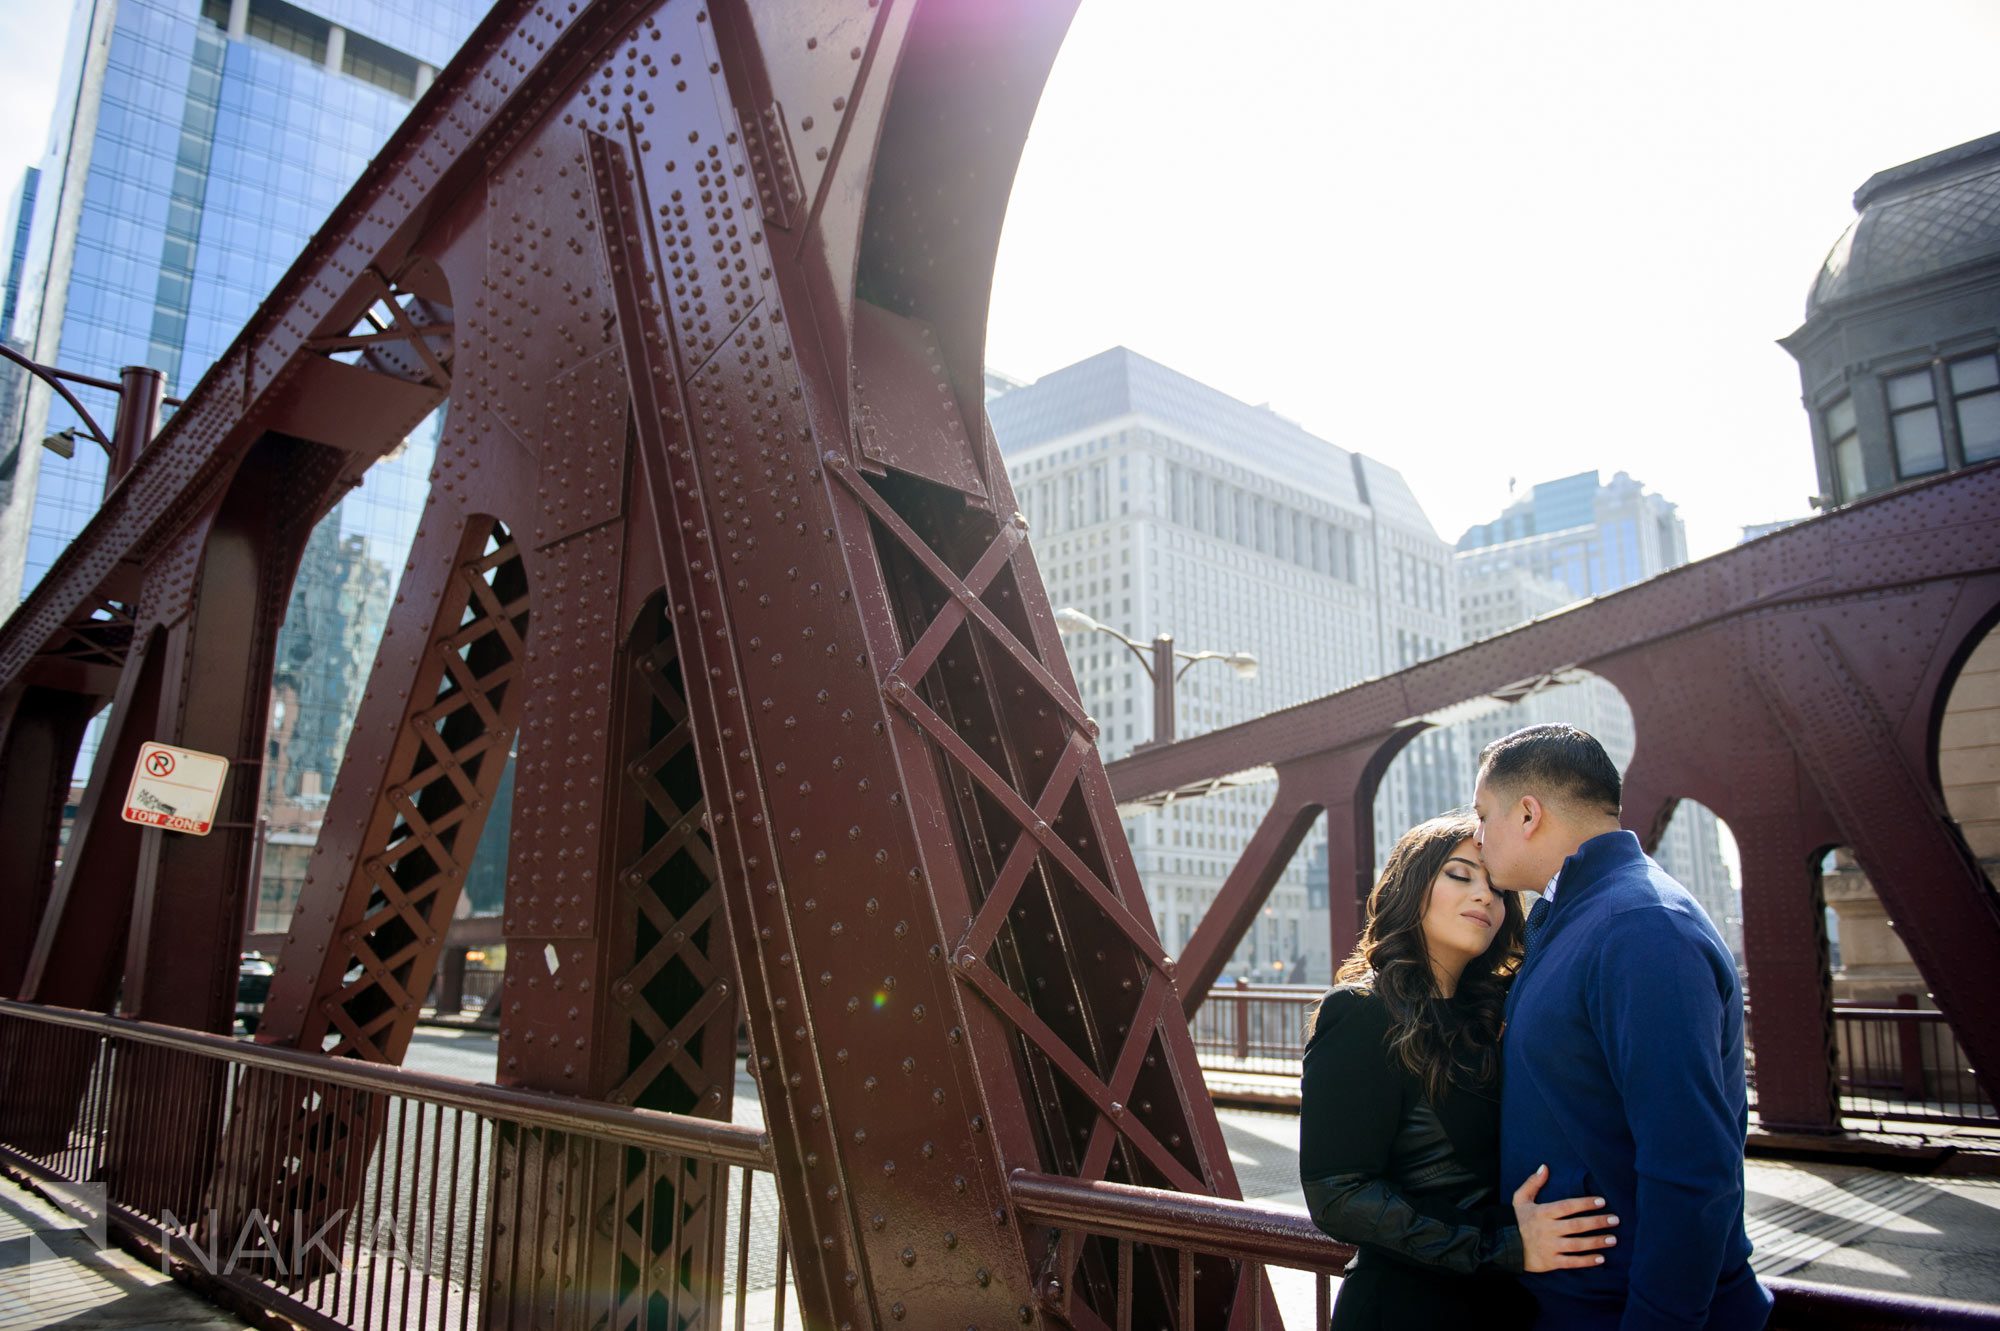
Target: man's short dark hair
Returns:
[[1558, 759]]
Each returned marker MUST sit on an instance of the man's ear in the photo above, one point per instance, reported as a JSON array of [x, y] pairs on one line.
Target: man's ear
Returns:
[[1532, 813]]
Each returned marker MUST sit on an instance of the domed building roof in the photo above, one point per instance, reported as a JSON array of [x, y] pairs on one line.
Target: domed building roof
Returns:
[[1916, 219]]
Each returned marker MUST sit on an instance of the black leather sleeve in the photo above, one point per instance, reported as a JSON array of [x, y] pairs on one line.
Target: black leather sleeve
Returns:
[[1353, 1103], [1359, 1208]]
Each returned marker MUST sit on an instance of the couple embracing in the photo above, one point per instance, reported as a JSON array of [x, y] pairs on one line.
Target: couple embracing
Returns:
[[1533, 1122]]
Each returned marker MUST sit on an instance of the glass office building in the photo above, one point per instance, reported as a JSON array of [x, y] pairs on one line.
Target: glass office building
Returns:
[[197, 146]]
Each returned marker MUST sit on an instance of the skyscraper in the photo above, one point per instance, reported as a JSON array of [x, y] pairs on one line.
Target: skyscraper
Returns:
[[1158, 504], [1593, 538], [197, 146], [1563, 541], [16, 230]]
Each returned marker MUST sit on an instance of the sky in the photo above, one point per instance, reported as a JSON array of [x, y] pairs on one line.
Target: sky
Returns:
[[1484, 242], [1481, 241]]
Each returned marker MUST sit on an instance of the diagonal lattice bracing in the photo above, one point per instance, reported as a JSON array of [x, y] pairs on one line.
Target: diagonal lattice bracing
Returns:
[[1057, 943], [445, 762], [100, 637], [672, 983]]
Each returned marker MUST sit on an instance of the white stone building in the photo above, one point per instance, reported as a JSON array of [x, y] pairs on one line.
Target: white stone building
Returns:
[[1158, 504]]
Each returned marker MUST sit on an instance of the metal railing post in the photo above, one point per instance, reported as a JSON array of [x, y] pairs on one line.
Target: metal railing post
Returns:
[[1910, 1048], [1242, 1017], [451, 982]]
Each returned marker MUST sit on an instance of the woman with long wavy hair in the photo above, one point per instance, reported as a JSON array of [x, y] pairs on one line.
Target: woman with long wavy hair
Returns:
[[1399, 1118]]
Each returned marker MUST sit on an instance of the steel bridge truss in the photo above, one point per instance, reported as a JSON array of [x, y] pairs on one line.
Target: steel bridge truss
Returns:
[[720, 554]]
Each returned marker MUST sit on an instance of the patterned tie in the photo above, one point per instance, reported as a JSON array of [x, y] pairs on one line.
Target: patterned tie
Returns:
[[1538, 920]]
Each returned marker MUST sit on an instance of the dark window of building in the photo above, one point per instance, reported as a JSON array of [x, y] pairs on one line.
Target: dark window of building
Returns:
[[1914, 423], [372, 62], [1975, 396], [289, 29], [1844, 442]]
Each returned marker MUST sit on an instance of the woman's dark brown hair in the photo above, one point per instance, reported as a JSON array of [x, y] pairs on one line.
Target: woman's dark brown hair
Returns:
[[1392, 959]]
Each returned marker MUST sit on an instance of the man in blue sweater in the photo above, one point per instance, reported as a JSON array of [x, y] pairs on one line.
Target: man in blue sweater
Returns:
[[1623, 1053]]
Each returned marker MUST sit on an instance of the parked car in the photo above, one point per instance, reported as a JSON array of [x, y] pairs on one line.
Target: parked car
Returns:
[[253, 988]]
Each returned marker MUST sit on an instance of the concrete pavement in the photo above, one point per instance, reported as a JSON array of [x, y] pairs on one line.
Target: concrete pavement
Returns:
[[54, 1274], [1837, 1223]]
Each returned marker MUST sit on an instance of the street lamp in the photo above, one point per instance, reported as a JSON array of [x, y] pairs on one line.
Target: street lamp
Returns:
[[1157, 658]]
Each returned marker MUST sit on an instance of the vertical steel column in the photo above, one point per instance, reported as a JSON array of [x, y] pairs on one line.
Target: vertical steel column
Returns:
[[40, 732], [1790, 985], [188, 904], [80, 940], [80, 944], [930, 896], [1164, 727], [655, 984]]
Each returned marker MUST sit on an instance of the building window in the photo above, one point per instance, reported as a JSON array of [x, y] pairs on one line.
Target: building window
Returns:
[[1844, 444], [372, 62], [289, 29], [1914, 423], [1975, 397]]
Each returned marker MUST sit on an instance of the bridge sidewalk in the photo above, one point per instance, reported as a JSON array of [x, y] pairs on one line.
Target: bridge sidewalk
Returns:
[[1837, 1222], [53, 1274]]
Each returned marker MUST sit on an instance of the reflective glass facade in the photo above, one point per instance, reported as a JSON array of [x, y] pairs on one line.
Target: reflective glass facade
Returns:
[[209, 143]]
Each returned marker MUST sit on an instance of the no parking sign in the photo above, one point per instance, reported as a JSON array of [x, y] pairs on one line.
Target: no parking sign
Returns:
[[175, 789]]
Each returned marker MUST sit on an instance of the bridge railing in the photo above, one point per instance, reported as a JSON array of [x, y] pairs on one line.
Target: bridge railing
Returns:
[[1903, 1064], [1130, 1225], [1896, 1064], [1145, 1224], [466, 1194], [341, 1194], [1254, 1028]]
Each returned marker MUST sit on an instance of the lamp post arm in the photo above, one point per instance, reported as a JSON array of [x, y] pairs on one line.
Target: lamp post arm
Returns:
[[54, 379], [1188, 660], [1243, 663]]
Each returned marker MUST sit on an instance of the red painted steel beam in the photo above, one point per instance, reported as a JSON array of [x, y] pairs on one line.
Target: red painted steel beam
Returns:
[[1341, 785], [274, 373], [40, 732], [925, 894], [707, 291], [1938, 531]]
